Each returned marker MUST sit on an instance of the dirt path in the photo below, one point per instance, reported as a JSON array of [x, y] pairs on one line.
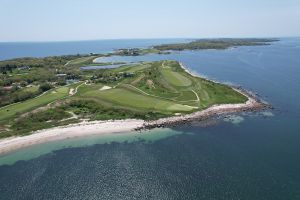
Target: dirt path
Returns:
[[73, 116], [67, 63], [74, 91]]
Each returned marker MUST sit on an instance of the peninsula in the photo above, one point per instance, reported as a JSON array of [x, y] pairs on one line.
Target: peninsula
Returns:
[[45, 99]]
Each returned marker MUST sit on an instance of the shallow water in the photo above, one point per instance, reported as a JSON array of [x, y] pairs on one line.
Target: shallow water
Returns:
[[238, 156], [41, 149]]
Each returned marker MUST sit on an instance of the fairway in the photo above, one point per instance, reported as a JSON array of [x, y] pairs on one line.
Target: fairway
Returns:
[[28, 105], [131, 68], [82, 60], [175, 78], [186, 96], [127, 98]]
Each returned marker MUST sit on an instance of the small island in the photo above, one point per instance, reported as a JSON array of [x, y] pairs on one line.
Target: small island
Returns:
[[51, 98]]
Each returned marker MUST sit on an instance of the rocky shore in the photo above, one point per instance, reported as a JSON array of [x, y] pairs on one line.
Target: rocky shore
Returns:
[[253, 104]]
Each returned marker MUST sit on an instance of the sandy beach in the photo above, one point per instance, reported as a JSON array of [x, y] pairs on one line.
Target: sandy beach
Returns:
[[71, 131], [119, 126]]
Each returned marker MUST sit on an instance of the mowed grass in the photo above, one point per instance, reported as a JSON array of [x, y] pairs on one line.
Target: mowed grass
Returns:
[[170, 81], [131, 68], [82, 60], [124, 97], [175, 78], [186, 96], [19, 108]]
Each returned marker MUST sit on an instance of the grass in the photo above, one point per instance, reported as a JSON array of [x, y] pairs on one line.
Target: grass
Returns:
[[186, 96], [131, 68], [31, 89], [50, 117], [127, 98], [170, 81], [95, 111], [83, 60], [175, 78], [50, 96]]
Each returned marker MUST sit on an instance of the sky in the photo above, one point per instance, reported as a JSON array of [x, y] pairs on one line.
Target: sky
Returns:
[[68, 20]]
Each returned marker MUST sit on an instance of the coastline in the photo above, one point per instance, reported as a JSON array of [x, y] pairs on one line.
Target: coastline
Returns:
[[82, 129], [252, 104]]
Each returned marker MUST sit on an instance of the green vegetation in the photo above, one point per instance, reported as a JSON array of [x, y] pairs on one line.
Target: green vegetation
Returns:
[[81, 60], [162, 87], [45, 92], [176, 78], [25, 78], [96, 111], [132, 99], [214, 44], [137, 52], [15, 94], [40, 120], [22, 107]]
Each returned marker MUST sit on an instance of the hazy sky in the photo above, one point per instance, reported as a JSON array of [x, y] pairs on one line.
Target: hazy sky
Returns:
[[53, 20]]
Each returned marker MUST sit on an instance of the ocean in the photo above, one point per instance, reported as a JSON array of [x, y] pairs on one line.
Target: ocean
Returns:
[[236, 156], [9, 50]]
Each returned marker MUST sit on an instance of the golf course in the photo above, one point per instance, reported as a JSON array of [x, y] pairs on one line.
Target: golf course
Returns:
[[146, 90], [54, 91]]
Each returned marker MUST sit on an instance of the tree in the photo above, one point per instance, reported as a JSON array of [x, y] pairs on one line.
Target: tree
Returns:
[[45, 86]]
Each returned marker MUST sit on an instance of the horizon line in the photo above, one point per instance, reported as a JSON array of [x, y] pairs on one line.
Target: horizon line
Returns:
[[155, 38]]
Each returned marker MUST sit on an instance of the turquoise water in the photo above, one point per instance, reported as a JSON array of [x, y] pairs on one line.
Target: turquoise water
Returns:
[[41, 149], [238, 156]]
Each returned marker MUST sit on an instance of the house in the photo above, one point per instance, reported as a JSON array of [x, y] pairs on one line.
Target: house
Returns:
[[129, 74], [7, 88], [24, 68], [61, 75]]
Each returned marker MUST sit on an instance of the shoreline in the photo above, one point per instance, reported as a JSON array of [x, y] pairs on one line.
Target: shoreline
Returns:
[[11, 144], [252, 104]]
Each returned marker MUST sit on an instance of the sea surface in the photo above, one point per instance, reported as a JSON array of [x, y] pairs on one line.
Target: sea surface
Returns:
[[236, 156], [9, 50]]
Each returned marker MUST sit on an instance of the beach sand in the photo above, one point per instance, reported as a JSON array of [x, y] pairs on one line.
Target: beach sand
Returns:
[[70, 131]]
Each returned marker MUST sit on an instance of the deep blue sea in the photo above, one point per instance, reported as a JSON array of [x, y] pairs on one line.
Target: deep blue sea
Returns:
[[237, 156]]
